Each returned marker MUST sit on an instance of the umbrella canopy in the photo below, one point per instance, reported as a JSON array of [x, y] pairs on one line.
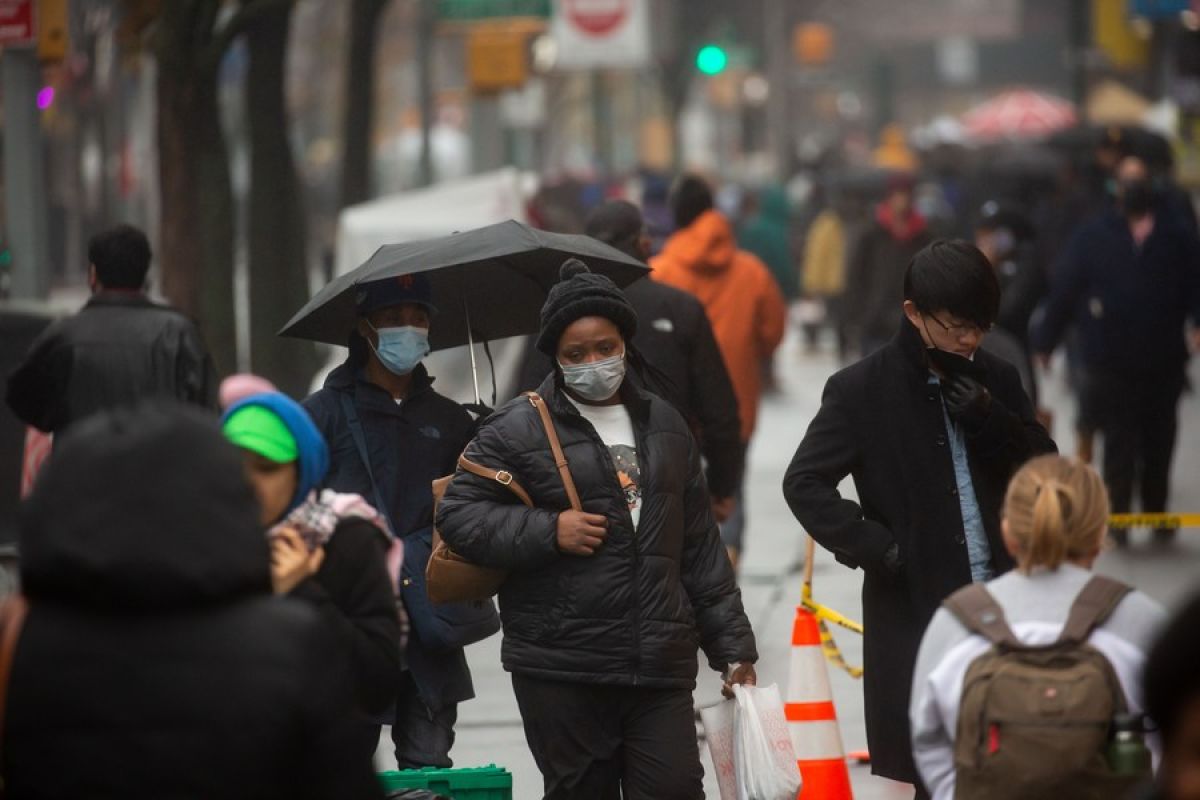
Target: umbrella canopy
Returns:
[[1018, 114], [488, 283]]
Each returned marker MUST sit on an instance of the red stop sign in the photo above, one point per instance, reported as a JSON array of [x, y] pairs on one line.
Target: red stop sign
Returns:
[[597, 17]]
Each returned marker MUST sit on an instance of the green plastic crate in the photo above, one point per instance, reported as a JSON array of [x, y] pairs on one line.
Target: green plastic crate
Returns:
[[478, 783]]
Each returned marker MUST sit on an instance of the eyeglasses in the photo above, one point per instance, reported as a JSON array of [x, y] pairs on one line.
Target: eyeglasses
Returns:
[[960, 330]]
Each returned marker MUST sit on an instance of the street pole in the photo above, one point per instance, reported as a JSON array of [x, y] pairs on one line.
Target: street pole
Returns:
[[426, 30], [602, 129], [779, 101], [24, 174]]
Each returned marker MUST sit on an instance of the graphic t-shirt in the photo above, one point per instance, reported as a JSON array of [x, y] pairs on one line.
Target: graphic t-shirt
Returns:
[[615, 428]]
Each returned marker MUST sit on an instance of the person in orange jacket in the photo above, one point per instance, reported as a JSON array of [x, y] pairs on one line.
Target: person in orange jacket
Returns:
[[742, 299]]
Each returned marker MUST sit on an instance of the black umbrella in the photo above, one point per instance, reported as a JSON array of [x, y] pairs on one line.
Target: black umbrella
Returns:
[[488, 283]]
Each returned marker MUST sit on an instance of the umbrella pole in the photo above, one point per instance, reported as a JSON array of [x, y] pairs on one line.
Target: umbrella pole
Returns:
[[471, 348]]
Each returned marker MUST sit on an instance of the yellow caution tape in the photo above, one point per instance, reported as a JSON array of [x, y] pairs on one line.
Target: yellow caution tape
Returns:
[[1154, 521], [826, 614]]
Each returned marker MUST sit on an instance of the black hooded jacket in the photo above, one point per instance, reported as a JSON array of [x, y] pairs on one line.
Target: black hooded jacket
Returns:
[[636, 612], [154, 661]]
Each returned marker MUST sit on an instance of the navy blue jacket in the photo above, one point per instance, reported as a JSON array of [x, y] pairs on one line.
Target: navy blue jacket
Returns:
[[1130, 302], [410, 444]]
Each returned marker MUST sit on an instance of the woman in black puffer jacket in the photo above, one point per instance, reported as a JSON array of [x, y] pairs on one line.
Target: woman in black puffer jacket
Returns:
[[604, 609]]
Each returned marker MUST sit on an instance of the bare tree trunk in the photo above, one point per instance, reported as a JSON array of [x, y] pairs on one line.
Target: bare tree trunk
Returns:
[[196, 235], [360, 101], [275, 233]]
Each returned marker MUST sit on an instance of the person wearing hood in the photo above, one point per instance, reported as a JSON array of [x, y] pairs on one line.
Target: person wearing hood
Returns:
[[875, 270], [390, 435], [932, 428], [605, 607], [763, 231], [742, 300], [1131, 279], [327, 548], [154, 659]]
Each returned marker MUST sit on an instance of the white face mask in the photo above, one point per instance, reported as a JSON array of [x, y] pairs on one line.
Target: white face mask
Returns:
[[595, 381]]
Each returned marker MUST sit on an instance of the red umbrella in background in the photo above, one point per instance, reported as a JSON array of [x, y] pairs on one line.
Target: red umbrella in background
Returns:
[[1018, 114]]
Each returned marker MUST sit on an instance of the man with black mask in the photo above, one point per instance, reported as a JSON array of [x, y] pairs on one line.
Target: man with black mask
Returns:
[[1132, 276]]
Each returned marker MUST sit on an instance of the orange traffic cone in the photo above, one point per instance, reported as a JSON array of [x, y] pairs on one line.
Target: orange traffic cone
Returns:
[[812, 717]]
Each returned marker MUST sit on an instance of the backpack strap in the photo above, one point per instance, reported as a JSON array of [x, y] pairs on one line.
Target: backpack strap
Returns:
[[560, 458], [980, 613], [1094, 603], [500, 476], [360, 444]]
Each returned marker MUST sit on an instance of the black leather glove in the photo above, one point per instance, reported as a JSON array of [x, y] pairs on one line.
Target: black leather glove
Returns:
[[892, 563], [968, 401]]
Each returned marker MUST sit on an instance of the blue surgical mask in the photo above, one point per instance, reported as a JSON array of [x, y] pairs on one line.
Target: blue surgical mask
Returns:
[[401, 349], [596, 381]]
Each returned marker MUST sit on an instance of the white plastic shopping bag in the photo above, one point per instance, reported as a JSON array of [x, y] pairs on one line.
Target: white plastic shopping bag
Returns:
[[750, 746]]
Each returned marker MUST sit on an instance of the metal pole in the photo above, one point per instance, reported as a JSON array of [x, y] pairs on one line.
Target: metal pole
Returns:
[[471, 349], [25, 174], [426, 30], [779, 102]]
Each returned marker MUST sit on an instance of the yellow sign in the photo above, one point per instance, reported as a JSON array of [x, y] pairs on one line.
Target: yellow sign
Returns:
[[496, 58], [1116, 38], [52, 30]]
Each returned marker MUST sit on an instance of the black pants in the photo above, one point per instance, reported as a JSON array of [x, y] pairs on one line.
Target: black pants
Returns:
[[608, 742], [1140, 420], [423, 738]]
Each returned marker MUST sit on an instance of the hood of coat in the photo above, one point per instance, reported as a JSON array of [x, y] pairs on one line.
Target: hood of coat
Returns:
[[143, 508], [707, 245]]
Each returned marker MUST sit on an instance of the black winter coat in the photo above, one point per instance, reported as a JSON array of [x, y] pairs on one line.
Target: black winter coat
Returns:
[[1130, 302], [154, 661], [355, 595], [676, 338], [410, 445], [882, 422], [633, 614], [120, 348]]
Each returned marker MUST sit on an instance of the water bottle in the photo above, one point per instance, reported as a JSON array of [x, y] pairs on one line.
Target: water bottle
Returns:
[[1127, 751]]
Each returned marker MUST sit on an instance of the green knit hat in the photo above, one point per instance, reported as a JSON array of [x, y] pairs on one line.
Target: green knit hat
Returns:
[[261, 431]]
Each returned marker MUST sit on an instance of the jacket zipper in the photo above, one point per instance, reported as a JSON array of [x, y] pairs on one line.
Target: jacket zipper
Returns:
[[624, 506]]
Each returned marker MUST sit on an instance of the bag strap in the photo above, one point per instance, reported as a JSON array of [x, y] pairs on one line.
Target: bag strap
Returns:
[[560, 458], [13, 610], [360, 443], [980, 613], [500, 476], [1094, 603]]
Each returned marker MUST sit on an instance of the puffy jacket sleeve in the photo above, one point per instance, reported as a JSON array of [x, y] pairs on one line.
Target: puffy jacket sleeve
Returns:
[[483, 521], [1069, 283], [353, 592], [725, 633], [826, 455]]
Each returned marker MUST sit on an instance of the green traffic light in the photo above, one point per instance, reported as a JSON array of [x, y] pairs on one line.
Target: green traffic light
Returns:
[[711, 60]]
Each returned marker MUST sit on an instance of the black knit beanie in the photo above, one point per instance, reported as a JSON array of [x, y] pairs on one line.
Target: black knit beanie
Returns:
[[582, 293]]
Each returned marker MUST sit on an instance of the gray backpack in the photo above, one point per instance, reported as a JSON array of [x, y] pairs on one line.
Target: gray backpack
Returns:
[[1034, 721]]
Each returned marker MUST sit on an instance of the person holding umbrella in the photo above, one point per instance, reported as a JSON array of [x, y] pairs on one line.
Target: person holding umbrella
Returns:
[[390, 435], [604, 608]]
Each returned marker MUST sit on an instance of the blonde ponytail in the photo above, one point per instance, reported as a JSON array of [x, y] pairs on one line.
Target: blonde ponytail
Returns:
[[1056, 510]]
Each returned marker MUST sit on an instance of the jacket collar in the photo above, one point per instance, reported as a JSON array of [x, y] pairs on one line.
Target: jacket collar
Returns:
[[114, 298]]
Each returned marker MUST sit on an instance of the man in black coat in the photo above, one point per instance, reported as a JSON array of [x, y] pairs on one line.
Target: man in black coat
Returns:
[[932, 428], [121, 347], [604, 607], [1131, 279], [154, 660], [412, 436], [676, 340]]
